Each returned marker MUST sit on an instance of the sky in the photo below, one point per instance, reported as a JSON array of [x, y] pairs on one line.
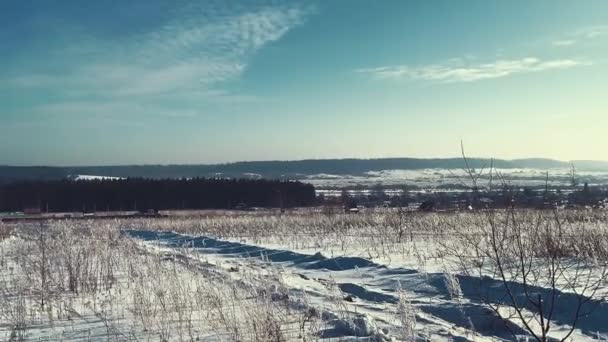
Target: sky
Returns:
[[171, 82]]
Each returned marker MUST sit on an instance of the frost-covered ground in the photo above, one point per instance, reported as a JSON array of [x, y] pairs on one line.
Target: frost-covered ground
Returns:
[[385, 275], [359, 298], [85, 282]]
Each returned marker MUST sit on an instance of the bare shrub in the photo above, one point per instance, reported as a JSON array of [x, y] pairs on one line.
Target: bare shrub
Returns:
[[543, 265]]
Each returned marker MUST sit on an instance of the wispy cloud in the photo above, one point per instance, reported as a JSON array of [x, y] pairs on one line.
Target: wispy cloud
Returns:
[[563, 42], [594, 31], [198, 48], [581, 35], [459, 71], [113, 110]]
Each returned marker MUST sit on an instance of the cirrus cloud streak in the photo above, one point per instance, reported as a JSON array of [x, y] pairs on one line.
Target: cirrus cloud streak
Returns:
[[186, 59], [458, 71]]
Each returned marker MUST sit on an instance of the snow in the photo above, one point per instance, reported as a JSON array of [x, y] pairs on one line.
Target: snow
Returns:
[[373, 289], [92, 177], [431, 178], [345, 283]]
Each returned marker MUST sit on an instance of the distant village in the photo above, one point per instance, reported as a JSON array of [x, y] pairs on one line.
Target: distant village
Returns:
[[353, 200], [84, 200]]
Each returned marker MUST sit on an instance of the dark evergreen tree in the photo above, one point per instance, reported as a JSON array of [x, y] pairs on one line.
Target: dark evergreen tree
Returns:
[[145, 194]]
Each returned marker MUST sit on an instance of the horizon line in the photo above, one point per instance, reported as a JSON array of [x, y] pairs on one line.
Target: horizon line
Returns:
[[303, 160]]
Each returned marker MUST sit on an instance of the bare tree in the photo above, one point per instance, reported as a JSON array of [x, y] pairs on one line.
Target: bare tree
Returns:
[[530, 266], [42, 246]]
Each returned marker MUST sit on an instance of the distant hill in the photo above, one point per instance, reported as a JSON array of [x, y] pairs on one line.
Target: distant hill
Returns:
[[276, 169]]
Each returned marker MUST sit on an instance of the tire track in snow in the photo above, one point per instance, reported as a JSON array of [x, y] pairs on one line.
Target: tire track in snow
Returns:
[[432, 295]]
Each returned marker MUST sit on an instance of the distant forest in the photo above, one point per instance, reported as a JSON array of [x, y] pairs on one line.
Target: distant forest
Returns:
[[278, 169], [157, 194]]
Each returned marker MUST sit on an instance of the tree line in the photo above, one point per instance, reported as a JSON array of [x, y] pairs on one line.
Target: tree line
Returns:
[[276, 169], [153, 194]]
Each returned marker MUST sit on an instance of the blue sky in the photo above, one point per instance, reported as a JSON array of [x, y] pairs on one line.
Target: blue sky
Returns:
[[149, 81]]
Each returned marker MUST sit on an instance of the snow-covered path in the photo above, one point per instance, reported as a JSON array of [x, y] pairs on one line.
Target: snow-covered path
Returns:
[[374, 289]]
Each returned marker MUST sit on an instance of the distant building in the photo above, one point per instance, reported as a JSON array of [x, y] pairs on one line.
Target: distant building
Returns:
[[352, 210], [243, 207], [427, 205], [32, 211]]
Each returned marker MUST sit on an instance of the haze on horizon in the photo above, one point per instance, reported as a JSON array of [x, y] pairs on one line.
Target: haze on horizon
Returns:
[[190, 82]]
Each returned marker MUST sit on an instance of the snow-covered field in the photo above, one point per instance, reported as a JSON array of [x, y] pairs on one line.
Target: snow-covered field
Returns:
[[92, 177], [431, 178], [383, 275]]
